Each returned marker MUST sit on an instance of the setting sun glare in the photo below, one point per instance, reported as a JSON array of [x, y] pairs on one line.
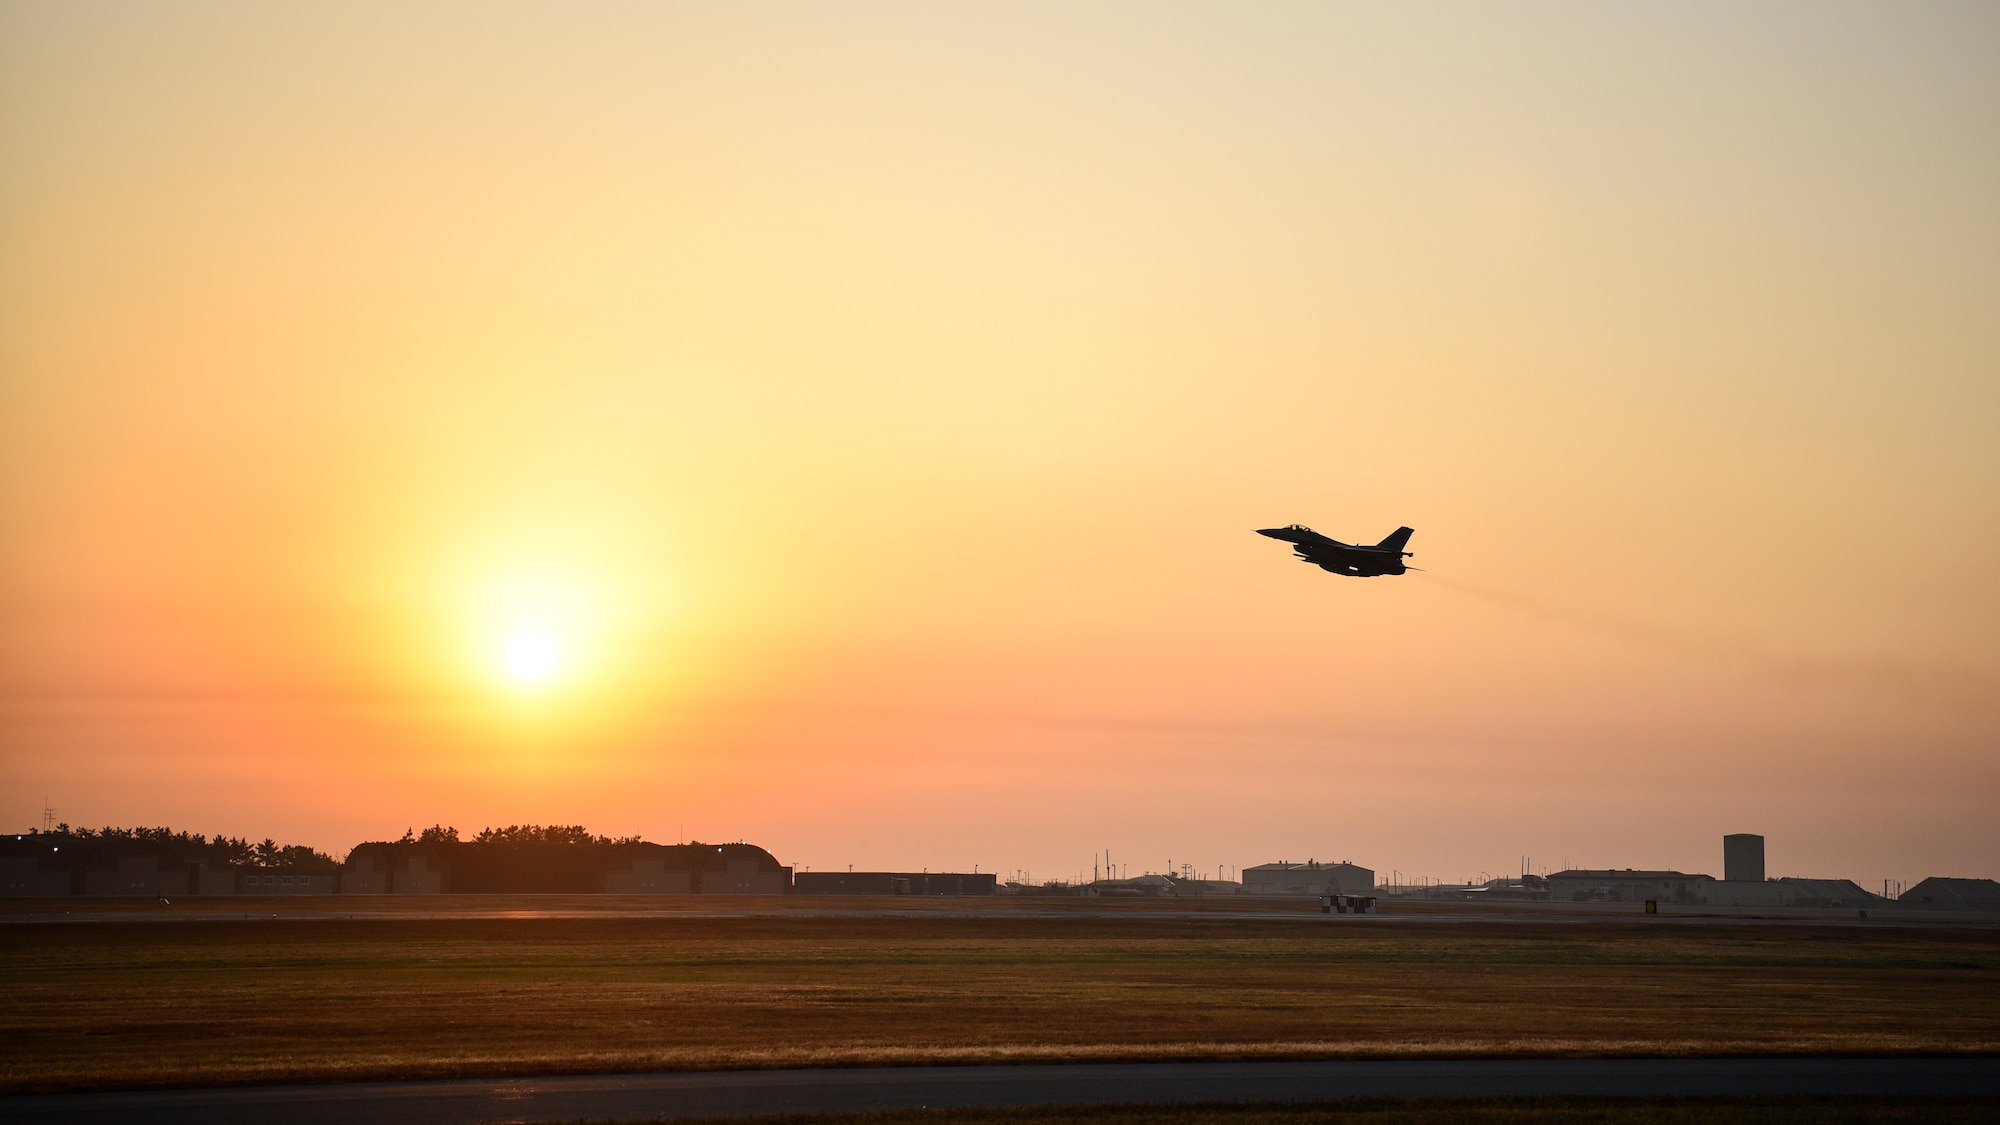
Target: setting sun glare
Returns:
[[532, 656]]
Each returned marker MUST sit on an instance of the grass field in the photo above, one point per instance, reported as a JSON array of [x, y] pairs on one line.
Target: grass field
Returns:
[[216, 1001]]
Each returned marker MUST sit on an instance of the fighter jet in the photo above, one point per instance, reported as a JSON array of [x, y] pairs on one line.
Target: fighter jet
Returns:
[[1355, 560]]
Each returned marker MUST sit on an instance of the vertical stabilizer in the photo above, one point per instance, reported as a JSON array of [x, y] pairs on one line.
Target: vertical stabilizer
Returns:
[[1397, 539]]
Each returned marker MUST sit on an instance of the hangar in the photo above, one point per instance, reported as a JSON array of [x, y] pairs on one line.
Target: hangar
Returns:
[[1308, 878]]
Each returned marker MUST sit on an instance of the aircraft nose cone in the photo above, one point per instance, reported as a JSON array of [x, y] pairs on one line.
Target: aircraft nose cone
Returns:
[[1273, 532]]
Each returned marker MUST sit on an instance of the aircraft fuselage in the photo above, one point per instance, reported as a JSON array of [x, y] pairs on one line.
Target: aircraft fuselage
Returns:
[[1355, 560]]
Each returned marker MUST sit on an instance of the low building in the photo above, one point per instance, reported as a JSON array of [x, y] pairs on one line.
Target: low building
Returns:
[[1160, 886], [742, 869], [285, 881], [1789, 892], [892, 883], [154, 863], [394, 869], [136, 873], [1826, 892], [519, 867], [419, 874], [364, 874], [1741, 892], [648, 875], [33, 866], [212, 877], [1516, 888], [56, 864], [1629, 885], [1308, 878], [1139, 886], [1954, 894]]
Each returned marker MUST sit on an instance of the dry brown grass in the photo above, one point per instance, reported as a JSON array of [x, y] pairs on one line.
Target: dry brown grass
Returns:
[[219, 1001], [1453, 1111], [1450, 1111]]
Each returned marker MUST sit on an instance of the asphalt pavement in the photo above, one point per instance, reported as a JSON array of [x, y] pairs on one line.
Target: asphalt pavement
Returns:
[[745, 1093]]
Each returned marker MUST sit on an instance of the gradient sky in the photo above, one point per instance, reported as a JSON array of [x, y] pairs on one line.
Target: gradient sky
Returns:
[[874, 403]]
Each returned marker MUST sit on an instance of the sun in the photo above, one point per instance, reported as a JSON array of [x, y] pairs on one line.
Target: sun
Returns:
[[531, 656]]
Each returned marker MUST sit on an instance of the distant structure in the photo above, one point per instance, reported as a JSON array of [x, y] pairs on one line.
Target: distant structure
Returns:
[[161, 865], [628, 867], [393, 869], [892, 883], [1793, 892], [151, 863], [1629, 885], [33, 872], [1158, 886], [1510, 888], [136, 873], [1308, 878], [1954, 894], [1743, 884], [281, 881], [1743, 858]]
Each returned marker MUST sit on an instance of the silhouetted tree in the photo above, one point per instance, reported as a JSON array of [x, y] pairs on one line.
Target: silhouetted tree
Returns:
[[298, 856], [194, 846], [538, 834]]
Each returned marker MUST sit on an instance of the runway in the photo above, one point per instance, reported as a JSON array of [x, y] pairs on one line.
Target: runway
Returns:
[[745, 1093]]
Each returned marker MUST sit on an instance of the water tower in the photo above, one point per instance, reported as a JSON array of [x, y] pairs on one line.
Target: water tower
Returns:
[[1743, 858]]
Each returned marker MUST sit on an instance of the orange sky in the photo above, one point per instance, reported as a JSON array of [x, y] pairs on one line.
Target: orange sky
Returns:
[[873, 405]]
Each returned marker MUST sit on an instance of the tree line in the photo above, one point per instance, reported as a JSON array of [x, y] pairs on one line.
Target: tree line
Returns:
[[516, 834], [269, 853], [228, 849]]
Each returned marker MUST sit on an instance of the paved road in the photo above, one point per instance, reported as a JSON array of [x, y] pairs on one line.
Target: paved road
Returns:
[[759, 1092]]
